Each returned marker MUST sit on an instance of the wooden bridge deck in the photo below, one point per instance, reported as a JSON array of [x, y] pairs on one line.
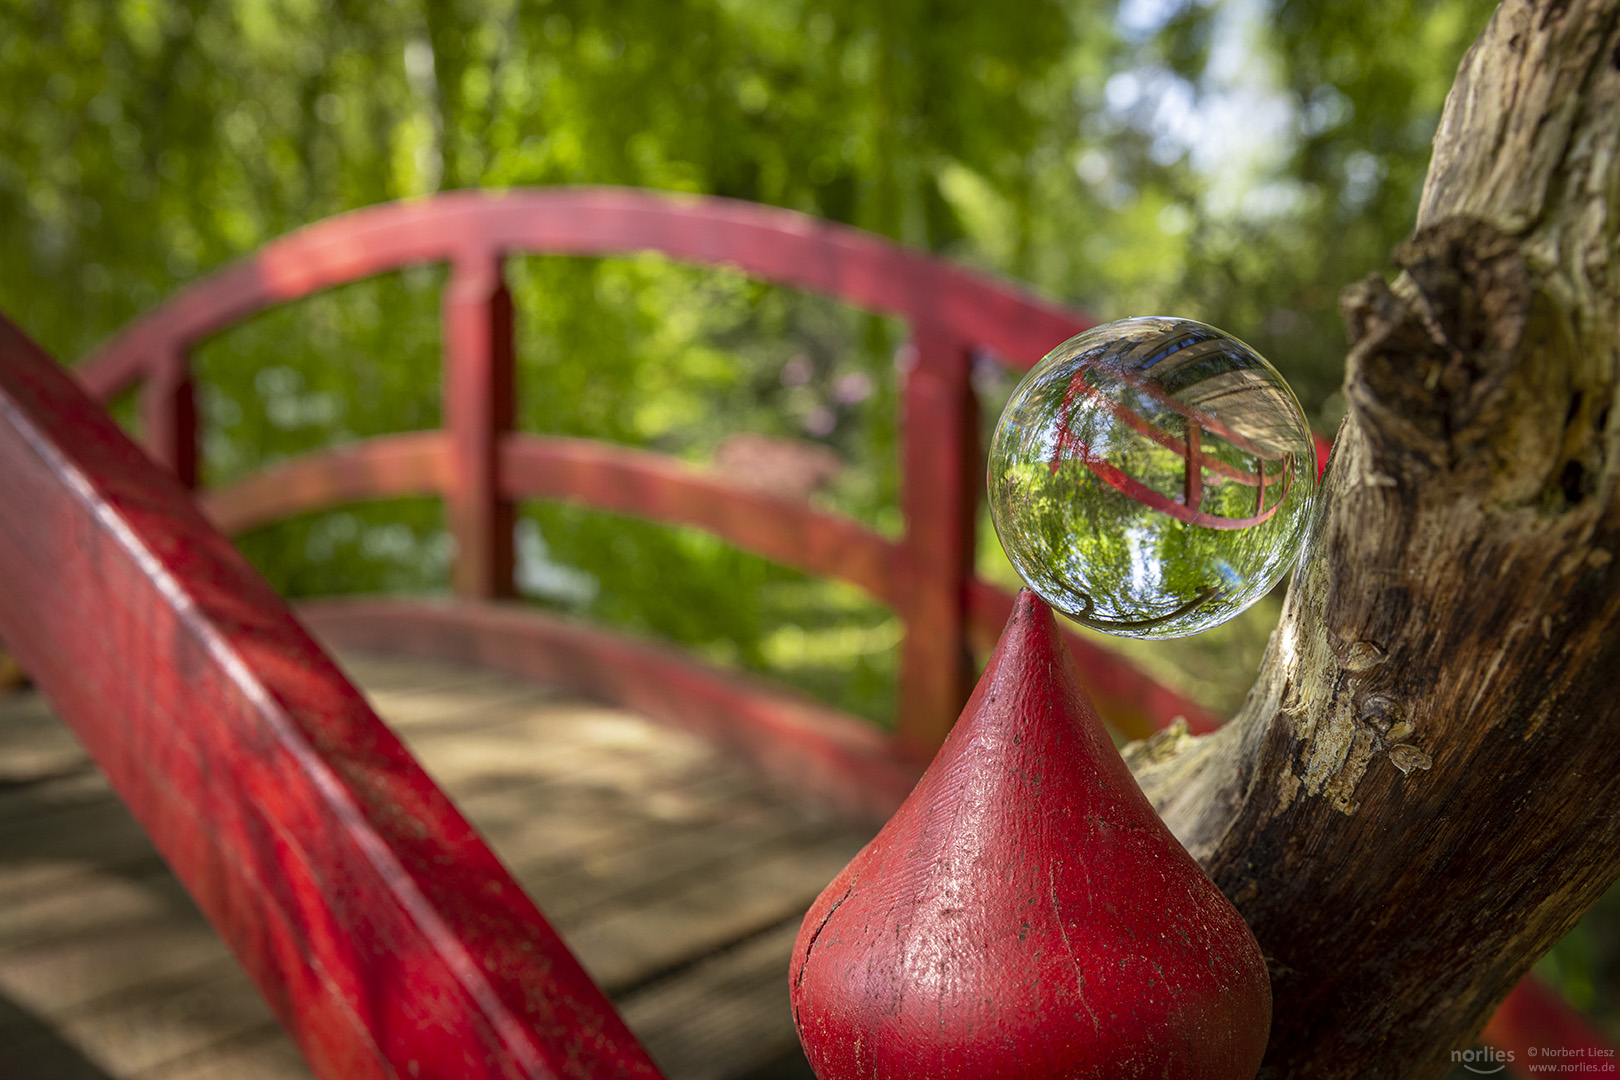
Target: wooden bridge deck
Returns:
[[678, 877]]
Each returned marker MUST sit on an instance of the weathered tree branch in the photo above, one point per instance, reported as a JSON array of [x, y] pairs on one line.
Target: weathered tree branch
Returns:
[[1420, 794]]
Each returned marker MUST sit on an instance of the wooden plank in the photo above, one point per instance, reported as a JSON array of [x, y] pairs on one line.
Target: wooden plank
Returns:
[[401, 675], [544, 829], [63, 977], [47, 795], [324, 855], [55, 875], [554, 742], [52, 832], [809, 747], [459, 710], [658, 861], [727, 1016], [34, 745], [624, 943], [52, 1057], [258, 1054], [90, 903], [665, 816], [549, 830], [146, 1031]]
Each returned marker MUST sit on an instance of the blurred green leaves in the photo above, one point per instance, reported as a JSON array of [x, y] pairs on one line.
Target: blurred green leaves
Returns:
[[1235, 161]]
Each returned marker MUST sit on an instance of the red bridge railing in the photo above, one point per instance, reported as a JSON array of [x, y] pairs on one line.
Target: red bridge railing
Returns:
[[480, 466], [387, 937], [382, 930]]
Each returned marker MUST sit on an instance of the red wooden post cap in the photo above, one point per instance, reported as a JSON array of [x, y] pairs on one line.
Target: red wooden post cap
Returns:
[[1026, 914]]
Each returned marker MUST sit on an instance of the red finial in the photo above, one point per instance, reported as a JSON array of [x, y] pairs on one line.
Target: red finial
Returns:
[[1026, 914]]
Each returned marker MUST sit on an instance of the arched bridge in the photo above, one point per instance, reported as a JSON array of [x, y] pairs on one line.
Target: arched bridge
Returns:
[[480, 466], [387, 937]]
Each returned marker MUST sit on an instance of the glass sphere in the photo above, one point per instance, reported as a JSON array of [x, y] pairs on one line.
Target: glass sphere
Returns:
[[1152, 477]]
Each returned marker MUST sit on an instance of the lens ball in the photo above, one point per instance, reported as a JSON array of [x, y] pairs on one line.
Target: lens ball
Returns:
[[1152, 477]]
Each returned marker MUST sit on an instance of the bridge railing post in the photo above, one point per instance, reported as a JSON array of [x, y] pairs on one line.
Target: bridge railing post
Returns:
[[478, 413], [940, 498], [168, 410]]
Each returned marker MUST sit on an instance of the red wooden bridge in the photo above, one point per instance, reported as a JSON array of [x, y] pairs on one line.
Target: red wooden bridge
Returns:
[[385, 935]]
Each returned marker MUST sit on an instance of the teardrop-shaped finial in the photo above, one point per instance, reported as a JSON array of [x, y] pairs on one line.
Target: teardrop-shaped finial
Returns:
[[1026, 914]]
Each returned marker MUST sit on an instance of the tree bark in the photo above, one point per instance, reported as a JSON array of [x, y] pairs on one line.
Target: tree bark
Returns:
[[1420, 794]]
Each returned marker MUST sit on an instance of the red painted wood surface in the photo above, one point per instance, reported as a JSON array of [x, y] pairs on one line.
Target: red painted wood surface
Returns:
[[615, 478], [660, 488], [807, 747], [951, 312], [1026, 913], [478, 409], [776, 245], [168, 408], [1134, 703], [385, 934], [942, 303], [942, 476], [386, 466]]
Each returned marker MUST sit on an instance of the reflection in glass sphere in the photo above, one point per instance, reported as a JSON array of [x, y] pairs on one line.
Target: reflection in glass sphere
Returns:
[[1152, 477]]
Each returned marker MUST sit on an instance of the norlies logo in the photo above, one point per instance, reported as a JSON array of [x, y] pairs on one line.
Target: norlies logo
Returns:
[[1484, 1060]]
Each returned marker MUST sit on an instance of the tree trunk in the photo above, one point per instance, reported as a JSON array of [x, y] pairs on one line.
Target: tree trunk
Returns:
[[1420, 794]]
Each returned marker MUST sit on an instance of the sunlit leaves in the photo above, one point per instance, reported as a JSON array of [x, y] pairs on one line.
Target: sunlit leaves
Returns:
[[145, 143]]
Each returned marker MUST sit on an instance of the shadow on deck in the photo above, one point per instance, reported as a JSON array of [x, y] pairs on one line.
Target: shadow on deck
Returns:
[[676, 875]]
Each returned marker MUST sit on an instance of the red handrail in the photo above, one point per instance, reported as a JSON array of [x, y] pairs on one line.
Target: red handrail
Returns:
[[111, 565], [479, 466], [467, 227], [387, 937]]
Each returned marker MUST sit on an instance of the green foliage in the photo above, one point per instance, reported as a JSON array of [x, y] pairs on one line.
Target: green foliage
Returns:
[[1363, 85], [174, 135], [1236, 161], [149, 142]]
